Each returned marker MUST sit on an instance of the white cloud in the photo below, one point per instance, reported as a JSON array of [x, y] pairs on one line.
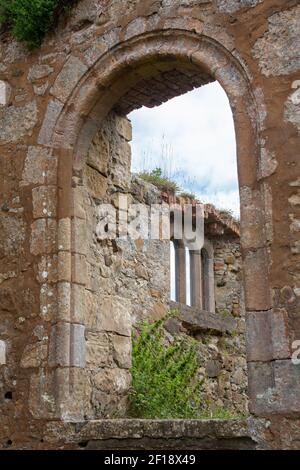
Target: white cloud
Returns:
[[199, 142]]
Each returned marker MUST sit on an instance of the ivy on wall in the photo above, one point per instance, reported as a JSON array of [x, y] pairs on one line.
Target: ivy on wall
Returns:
[[30, 20]]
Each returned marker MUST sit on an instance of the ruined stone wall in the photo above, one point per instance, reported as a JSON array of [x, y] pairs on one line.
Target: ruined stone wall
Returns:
[[129, 281], [229, 292]]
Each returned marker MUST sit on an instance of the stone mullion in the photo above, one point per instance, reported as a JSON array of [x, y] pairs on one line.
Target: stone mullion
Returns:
[[196, 279], [180, 272]]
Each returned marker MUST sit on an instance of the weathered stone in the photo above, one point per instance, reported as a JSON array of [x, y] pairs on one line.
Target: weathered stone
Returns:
[[98, 352], [44, 202], [67, 345], [5, 93], [39, 71], [40, 167], [122, 351], [111, 314], [40, 90], [292, 108], [196, 320], [17, 122], [53, 110], [275, 49], [98, 155], [2, 352], [96, 182], [12, 232], [231, 6], [294, 200], [34, 355], [113, 381], [68, 78], [213, 368], [42, 394], [43, 236]]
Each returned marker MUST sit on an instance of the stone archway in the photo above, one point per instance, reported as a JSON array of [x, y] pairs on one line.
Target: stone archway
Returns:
[[94, 95], [52, 102]]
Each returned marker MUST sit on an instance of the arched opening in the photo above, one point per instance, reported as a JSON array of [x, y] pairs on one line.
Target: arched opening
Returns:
[[78, 125]]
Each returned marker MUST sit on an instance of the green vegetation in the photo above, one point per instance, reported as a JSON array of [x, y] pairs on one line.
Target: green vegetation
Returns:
[[164, 383], [229, 214], [164, 377], [158, 179], [30, 20]]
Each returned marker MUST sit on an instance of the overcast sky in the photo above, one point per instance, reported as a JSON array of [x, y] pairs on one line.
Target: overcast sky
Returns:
[[192, 138]]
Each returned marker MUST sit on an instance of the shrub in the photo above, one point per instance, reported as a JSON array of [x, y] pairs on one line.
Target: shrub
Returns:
[[157, 178], [29, 20], [164, 383]]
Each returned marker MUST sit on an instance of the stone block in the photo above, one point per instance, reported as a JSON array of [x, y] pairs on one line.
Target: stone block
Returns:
[[109, 313], [95, 182], [39, 71], [64, 266], [17, 122], [79, 269], [40, 167], [259, 336], [98, 154], [257, 290], [67, 345], [122, 351], [77, 346], [78, 303], [114, 315], [44, 201], [42, 393], [64, 234], [274, 388], [5, 93], [75, 389], [68, 78], [79, 236], [64, 301], [34, 355], [113, 381], [98, 352], [53, 111], [124, 127], [43, 236]]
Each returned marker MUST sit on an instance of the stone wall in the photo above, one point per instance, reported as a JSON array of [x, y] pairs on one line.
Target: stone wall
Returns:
[[129, 280], [52, 103]]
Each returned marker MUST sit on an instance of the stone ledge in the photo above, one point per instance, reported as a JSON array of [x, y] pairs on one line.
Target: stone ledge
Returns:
[[135, 434], [195, 319]]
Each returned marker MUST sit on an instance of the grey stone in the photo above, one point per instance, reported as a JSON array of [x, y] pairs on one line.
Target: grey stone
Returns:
[[232, 6], [213, 368], [275, 50], [5, 93], [195, 319], [53, 111], [71, 73], [39, 71], [2, 352]]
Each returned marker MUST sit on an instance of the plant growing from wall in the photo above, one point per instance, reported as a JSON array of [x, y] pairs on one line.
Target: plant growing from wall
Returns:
[[30, 20], [164, 382], [158, 179]]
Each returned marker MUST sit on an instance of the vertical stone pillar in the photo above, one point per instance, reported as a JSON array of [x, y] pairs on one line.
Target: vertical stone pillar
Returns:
[[180, 272], [196, 278]]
